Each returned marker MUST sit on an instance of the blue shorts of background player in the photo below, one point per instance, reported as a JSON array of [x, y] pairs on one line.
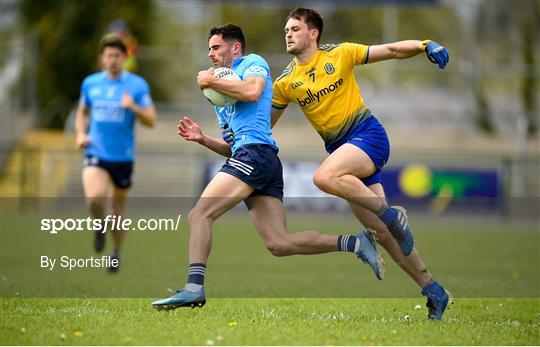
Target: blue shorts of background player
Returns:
[[370, 136], [119, 171]]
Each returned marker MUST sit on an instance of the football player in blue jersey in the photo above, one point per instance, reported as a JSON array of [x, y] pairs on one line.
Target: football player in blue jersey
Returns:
[[113, 100], [252, 173]]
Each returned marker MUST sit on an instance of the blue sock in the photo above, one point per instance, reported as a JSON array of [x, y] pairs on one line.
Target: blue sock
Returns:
[[387, 214], [196, 273], [434, 288], [348, 243]]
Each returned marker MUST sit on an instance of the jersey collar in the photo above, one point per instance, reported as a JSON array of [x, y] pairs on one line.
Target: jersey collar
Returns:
[[310, 61], [123, 76], [237, 61]]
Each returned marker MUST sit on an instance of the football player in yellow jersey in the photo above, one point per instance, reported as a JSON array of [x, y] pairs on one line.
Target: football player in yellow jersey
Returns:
[[320, 79]]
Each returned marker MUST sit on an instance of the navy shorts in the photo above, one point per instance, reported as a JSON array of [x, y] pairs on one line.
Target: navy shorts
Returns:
[[120, 171], [259, 166], [370, 136]]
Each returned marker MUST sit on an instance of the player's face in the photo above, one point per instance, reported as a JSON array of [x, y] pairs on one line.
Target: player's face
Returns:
[[298, 37], [221, 52], [112, 60]]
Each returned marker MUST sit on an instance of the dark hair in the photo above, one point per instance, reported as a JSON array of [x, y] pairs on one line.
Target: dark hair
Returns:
[[311, 17], [112, 41], [230, 33]]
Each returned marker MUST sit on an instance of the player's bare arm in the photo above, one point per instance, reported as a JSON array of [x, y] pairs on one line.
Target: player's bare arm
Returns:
[[82, 139], [191, 131], [248, 90], [146, 115], [436, 53], [396, 50], [275, 115]]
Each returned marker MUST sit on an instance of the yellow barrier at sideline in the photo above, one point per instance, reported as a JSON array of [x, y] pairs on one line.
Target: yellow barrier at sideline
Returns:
[[39, 165]]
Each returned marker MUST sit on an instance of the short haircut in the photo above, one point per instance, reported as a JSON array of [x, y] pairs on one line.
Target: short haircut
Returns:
[[230, 33], [112, 41], [311, 17]]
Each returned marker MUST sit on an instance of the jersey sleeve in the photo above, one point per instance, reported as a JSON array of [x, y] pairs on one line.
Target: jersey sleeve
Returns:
[[279, 98], [257, 67], [357, 53], [142, 97], [84, 98]]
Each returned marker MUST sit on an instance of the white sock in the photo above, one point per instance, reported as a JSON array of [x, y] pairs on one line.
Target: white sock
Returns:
[[192, 287], [357, 245]]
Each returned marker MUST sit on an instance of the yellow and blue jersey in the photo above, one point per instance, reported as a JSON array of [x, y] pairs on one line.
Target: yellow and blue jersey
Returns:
[[325, 89], [112, 134]]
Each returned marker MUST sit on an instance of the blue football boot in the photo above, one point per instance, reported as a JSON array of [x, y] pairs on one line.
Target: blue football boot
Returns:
[[369, 253], [401, 231], [437, 304], [182, 298]]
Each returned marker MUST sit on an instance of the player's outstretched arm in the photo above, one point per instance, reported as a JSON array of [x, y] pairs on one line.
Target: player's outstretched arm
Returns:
[[436, 53], [82, 139], [248, 90], [191, 131]]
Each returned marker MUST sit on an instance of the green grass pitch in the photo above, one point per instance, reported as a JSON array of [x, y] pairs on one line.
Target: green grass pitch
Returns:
[[268, 322], [257, 299]]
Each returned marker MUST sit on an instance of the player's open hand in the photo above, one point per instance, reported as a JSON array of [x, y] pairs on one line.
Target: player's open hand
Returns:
[[204, 77], [127, 100], [437, 54], [190, 130], [82, 140]]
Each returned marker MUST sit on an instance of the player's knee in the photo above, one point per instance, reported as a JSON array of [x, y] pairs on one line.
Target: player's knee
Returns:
[[195, 215], [198, 215], [324, 181], [277, 248]]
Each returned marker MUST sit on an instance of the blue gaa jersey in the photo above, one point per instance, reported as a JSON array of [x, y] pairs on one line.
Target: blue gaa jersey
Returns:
[[250, 121], [112, 133]]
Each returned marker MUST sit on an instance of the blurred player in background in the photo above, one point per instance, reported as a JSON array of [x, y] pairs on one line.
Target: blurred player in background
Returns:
[[114, 100], [252, 172], [321, 80]]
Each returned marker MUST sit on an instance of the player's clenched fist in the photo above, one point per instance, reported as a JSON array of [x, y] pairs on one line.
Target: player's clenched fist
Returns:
[[82, 140], [127, 100], [436, 53], [204, 77]]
